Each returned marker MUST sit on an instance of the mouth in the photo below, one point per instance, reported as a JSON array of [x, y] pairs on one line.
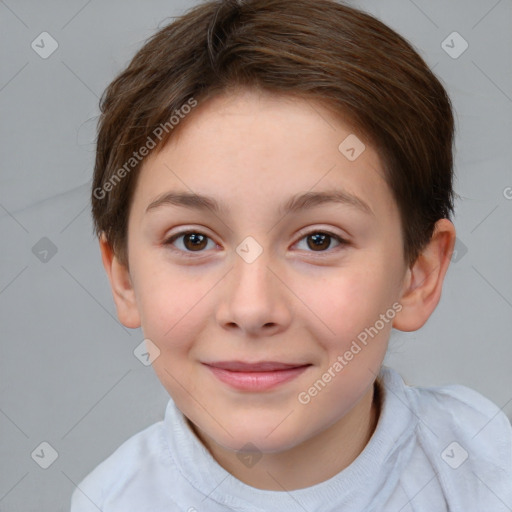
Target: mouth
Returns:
[[255, 377]]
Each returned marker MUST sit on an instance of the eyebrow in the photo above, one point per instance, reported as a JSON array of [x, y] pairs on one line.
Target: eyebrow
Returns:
[[296, 203]]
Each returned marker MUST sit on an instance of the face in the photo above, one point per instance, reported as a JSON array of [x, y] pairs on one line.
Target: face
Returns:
[[254, 280]]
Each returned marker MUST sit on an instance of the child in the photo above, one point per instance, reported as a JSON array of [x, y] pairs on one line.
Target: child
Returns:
[[273, 192]]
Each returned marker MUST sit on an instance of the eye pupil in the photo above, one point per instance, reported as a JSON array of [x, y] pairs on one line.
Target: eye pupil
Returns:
[[319, 241], [198, 241]]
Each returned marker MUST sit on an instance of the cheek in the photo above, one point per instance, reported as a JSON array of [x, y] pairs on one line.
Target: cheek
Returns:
[[171, 305], [349, 300]]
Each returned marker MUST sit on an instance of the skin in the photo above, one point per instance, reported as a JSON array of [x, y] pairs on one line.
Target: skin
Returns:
[[295, 303]]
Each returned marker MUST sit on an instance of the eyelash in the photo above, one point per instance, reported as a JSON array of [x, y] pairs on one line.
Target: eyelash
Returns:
[[191, 254]]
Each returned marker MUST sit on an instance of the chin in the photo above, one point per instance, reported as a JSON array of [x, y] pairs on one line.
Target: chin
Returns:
[[262, 437]]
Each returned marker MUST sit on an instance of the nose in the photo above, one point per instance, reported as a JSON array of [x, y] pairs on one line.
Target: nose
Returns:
[[254, 300]]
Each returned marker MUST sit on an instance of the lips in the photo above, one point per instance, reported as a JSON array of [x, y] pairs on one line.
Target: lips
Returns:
[[255, 377], [263, 366]]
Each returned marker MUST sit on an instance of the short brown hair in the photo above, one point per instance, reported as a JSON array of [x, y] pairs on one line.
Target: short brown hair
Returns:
[[315, 49]]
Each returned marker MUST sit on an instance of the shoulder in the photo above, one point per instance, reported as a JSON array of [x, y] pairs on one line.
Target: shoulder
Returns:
[[461, 438], [134, 456], [460, 427], [445, 404], [454, 414], [460, 408]]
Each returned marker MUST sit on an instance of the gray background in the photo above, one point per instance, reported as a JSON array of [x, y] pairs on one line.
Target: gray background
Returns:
[[68, 373]]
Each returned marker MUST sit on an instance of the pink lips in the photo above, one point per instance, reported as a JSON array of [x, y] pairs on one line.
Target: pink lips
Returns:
[[255, 376]]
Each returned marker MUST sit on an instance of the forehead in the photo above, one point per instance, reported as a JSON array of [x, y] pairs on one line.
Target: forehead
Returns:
[[251, 149]]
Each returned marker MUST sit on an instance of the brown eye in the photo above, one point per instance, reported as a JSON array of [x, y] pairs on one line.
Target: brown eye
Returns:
[[195, 241], [320, 241], [191, 241]]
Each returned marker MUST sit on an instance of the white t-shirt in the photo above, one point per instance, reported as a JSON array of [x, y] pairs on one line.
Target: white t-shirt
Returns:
[[435, 449]]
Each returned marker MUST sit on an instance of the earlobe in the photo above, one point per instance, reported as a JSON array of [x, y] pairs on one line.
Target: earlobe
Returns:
[[121, 286], [423, 282]]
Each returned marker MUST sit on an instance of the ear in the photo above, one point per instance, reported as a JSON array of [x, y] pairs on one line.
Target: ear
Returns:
[[423, 281], [121, 285]]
